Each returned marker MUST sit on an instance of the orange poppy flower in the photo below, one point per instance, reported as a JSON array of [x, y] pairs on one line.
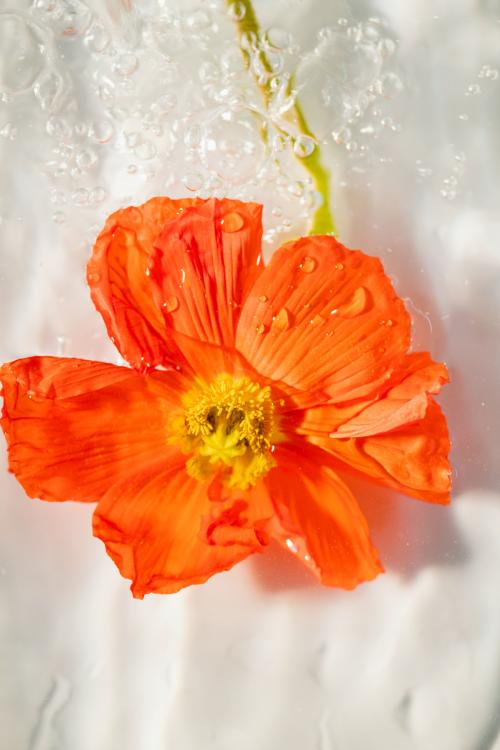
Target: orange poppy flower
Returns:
[[249, 386]]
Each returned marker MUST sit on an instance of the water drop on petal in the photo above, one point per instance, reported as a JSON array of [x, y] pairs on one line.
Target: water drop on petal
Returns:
[[356, 305], [232, 222], [308, 264], [282, 320], [171, 304]]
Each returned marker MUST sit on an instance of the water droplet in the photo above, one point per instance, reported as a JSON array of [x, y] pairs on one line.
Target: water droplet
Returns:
[[317, 320], [97, 195], [282, 320], [97, 38], [145, 151], [171, 304], [261, 328], [291, 546], [388, 323], [339, 266], [356, 305], [303, 146], [232, 222], [263, 298], [125, 65], [8, 131], [308, 264]]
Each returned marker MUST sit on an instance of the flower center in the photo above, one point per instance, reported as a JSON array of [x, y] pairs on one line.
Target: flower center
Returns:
[[229, 427]]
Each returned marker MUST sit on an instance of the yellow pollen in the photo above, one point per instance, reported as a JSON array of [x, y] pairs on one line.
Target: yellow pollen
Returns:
[[229, 427]]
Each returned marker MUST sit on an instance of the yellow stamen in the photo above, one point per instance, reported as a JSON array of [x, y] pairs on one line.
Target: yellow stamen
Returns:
[[229, 427]]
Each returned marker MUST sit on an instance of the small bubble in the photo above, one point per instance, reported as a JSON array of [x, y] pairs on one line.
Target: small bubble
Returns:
[[80, 197], [193, 181], [388, 323], [339, 266], [232, 222], [303, 146], [308, 264], [236, 11], [463, 116], [261, 328], [282, 320], [473, 89], [97, 38], [171, 304], [389, 85], [132, 168], [8, 131], [86, 159], [341, 136], [263, 298], [97, 195], [145, 151], [58, 217], [126, 64], [101, 131], [386, 47]]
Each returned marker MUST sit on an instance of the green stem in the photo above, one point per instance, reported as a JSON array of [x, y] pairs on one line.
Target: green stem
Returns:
[[322, 220]]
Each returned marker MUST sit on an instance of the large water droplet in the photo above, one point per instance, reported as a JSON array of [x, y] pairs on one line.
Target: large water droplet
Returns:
[[283, 320], [308, 264], [357, 304], [232, 222], [171, 304]]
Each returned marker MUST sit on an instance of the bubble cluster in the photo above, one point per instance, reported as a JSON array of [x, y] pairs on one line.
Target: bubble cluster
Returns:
[[134, 99]]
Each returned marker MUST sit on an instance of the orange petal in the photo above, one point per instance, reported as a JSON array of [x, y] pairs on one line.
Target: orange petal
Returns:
[[75, 427], [320, 519], [412, 459], [205, 262], [344, 330], [164, 532], [119, 284], [406, 402]]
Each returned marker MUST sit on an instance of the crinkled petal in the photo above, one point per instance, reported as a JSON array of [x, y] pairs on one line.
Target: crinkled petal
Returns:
[[319, 518], [117, 275], [166, 530], [412, 459], [403, 403], [75, 427], [321, 317], [204, 264]]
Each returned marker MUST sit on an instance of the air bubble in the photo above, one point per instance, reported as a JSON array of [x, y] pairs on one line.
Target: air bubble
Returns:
[[126, 64], [263, 298], [8, 131], [80, 197], [59, 217], [101, 131], [303, 146], [236, 11], [86, 159], [389, 85], [473, 90], [261, 328], [193, 181], [22, 56]]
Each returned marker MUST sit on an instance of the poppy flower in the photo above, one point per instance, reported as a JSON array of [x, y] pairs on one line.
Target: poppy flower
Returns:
[[249, 387]]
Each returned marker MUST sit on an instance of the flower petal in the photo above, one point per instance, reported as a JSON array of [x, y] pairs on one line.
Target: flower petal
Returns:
[[119, 284], [165, 530], [412, 459], [405, 402], [324, 317], [320, 518], [75, 427], [205, 262]]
